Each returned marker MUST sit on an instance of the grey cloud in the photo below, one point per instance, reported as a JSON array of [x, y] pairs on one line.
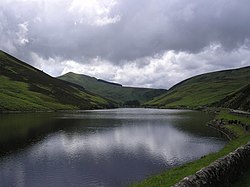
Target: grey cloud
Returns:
[[146, 27], [152, 43], [161, 71]]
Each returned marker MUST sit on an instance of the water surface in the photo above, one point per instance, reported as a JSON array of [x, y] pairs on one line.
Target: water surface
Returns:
[[100, 148]]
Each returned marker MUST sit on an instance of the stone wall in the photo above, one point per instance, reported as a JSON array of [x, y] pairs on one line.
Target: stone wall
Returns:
[[221, 172]]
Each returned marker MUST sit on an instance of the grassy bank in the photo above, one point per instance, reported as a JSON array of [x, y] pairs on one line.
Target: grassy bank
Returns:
[[174, 175]]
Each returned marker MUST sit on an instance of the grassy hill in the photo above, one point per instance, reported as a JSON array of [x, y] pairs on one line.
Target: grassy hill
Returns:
[[203, 90], [113, 91], [24, 87], [239, 99]]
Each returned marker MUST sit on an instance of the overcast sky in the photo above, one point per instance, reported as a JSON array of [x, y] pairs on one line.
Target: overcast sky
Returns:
[[147, 43]]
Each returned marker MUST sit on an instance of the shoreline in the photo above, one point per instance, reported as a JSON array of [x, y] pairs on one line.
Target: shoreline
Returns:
[[221, 131], [77, 110], [224, 169], [230, 135], [182, 173]]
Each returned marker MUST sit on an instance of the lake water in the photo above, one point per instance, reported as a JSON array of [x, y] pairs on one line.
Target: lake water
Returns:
[[100, 148]]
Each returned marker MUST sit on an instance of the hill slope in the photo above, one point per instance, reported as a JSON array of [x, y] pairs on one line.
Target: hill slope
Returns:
[[112, 91], [203, 90], [239, 99], [24, 87]]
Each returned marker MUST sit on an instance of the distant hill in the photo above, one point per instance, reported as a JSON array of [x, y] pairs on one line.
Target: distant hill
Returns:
[[203, 90], [111, 90], [23, 87], [239, 99]]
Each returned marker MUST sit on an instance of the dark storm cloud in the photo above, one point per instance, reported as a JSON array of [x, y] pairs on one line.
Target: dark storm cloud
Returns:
[[152, 26], [145, 27], [152, 43]]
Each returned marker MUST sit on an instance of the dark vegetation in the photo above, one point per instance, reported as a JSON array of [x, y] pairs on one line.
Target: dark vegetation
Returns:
[[131, 103], [112, 83], [24, 87], [113, 91], [239, 99]]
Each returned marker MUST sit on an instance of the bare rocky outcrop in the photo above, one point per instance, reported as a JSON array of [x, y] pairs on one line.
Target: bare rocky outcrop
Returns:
[[222, 171]]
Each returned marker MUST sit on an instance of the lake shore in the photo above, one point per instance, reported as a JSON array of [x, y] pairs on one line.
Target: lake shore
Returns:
[[238, 135]]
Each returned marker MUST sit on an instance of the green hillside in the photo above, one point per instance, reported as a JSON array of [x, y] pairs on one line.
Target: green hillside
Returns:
[[23, 87], [203, 90], [239, 99], [113, 91]]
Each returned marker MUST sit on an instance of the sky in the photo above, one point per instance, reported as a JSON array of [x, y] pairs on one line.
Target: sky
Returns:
[[146, 43]]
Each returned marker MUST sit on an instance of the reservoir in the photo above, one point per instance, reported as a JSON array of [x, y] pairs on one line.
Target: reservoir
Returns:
[[114, 147]]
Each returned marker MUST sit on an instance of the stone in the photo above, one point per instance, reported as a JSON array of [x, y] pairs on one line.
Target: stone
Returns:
[[222, 171]]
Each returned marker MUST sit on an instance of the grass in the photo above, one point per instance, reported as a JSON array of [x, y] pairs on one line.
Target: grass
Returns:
[[227, 116], [172, 176], [112, 91], [203, 90], [25, 88], [240, 99], [17, 96]]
